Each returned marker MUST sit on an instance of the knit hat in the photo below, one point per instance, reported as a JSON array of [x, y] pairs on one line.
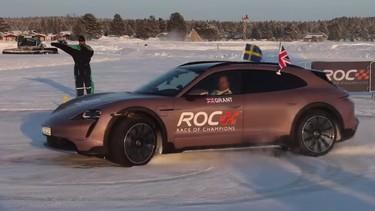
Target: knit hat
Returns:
[[81, 38]]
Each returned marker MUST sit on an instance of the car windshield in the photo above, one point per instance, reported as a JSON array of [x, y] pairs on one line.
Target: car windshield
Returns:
[[170, 83]]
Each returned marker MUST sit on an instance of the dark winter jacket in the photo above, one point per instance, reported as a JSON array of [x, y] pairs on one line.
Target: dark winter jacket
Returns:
[[81, 54]]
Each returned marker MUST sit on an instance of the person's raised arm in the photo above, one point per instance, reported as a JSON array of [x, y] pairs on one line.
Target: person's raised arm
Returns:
[[65, 48]]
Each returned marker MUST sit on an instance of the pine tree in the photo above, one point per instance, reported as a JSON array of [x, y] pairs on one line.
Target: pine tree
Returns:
[[79, 29], [140, 30], [93, 28], [323, 27], [162, 25], [152, 26], [335, 32], [256, 33], [267, 31], [291, 32], [4, 26], [129, 30], [147, 28], [117, 26], [43, 26], [362, 29], [177, 27], [49, 25], [207, 31], [88, 26], [106, 27], [55, 26]]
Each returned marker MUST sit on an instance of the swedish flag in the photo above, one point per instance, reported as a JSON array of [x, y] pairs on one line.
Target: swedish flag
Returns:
[[252, 53]]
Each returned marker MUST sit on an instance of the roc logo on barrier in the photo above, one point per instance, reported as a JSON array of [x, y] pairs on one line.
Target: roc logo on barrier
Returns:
[[362, 75], [349, 75]]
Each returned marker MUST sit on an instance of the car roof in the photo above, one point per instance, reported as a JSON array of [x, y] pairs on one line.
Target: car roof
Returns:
[[200, 66], [205, 65]]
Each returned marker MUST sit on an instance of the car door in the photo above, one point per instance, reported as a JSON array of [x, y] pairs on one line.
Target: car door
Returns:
[[270, 103], [210, 120]]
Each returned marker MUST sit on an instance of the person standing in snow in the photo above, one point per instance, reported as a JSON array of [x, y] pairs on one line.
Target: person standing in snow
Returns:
[[81, 54]]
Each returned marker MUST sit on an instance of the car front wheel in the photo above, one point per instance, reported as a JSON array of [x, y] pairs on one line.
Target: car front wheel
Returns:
[[134, 142], [316, 133]]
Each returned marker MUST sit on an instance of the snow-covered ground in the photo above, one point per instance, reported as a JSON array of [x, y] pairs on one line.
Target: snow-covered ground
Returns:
[[33, 177]]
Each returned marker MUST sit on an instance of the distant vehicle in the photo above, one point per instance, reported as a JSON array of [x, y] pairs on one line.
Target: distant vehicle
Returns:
[[30, 45], [180, 110]]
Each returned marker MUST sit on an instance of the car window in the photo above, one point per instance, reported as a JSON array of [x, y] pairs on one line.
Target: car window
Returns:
[[170, 83], [179, 81], [222, 83], [257, 81]]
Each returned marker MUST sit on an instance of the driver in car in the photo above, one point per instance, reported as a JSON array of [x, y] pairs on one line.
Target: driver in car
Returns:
[[223, 86]]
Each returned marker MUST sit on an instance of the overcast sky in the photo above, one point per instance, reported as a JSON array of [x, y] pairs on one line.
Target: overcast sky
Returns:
[[193, 9]]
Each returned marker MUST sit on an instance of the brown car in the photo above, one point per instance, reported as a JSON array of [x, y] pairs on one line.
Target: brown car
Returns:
[[208, 105]]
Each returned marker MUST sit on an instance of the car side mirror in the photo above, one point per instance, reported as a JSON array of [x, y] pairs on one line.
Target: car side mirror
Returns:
[[198, 92]]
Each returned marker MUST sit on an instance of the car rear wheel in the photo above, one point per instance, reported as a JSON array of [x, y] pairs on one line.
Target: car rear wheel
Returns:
[[316, 133], [134, 142]]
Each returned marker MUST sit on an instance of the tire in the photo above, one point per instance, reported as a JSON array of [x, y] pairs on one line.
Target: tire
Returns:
[[134, 142], [316, 133]]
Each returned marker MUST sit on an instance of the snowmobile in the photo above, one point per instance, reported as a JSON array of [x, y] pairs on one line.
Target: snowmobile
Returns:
[[30, 45]]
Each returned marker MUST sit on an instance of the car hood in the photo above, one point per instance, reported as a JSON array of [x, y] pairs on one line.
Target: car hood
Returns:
[[99, 100]]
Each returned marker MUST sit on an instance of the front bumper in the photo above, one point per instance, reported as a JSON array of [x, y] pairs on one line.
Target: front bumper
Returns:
[[83, 134], [66, 145]]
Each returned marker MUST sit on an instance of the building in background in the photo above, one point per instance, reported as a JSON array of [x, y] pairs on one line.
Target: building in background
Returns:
[[10, 37], [315, 37], [162, 36], [65, 35], [194, 36], [42, 37]]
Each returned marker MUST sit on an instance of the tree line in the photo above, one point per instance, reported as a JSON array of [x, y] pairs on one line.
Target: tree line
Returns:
[[344, 28]]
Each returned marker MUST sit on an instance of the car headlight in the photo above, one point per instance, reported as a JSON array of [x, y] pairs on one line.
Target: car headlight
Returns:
[[46, 131], [92, 114]]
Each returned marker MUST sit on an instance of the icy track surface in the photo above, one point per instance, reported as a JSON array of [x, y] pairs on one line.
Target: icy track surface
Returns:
[[33, 177]]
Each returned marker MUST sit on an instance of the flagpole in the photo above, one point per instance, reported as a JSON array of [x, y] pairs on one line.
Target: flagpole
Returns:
[[279, 71]]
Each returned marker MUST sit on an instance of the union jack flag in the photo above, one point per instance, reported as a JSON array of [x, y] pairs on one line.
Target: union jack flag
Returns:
[[284, 59], [210, 100]]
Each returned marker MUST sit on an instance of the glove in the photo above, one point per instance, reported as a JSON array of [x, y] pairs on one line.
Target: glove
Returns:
[[63, 42]]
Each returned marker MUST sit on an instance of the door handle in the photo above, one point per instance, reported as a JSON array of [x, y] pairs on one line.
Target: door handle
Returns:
[[163, 110], [166, 109]]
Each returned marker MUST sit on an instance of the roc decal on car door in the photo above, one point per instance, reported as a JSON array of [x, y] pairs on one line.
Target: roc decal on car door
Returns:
[[216, 121], [214, 117]]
